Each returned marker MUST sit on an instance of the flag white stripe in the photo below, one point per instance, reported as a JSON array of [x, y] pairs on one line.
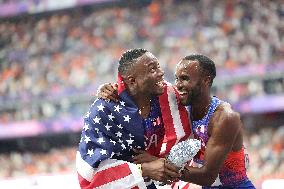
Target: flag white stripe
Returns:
[[137, 176], [83, 168], [87, 172], [130, 181], [125, 183], [175, 114], [163, 148]]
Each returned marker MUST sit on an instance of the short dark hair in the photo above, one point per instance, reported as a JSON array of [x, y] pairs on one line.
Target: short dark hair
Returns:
[[207, 65], [129, 58]]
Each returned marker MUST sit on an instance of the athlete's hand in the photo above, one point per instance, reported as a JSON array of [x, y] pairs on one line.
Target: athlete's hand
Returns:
[[143, 157], [108, 91], [159, 170]]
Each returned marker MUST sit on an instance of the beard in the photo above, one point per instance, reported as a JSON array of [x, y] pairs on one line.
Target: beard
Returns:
[[194, 94]]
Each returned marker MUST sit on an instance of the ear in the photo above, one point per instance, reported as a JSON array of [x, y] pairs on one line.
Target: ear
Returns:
[[131, 84], [207, 80], [130, 80]]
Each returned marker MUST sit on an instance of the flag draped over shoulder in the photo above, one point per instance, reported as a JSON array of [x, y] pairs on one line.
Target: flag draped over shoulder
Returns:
[[111, 131]]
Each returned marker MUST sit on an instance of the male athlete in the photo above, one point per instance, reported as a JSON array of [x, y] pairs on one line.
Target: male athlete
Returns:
[[221, 161], [146, 117]]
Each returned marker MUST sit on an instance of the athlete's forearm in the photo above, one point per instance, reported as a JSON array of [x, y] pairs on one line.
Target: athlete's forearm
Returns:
[[199, 176]]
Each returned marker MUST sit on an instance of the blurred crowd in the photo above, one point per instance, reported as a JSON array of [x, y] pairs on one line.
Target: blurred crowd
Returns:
[[56, 161], [266, 151], [51, 64], [70, 53]]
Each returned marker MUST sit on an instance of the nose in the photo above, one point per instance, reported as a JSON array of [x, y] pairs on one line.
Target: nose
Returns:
[[178, 84], [161, 72]]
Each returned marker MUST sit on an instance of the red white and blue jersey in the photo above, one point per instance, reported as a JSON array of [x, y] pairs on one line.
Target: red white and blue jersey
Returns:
[[233, 172]]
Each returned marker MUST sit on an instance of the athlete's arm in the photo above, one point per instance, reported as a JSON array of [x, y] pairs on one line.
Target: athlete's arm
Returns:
[[159, 171], [226, 127], [156, 168], [143, 157]]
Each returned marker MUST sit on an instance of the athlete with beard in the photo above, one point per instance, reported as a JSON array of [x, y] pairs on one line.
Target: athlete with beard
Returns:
[[221, 161]]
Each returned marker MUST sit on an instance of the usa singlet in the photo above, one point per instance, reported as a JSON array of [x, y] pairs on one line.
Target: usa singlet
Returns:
[[154, 130], [233, 172]]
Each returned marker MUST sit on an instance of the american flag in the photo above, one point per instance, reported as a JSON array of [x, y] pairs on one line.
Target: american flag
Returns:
[[111, 131]]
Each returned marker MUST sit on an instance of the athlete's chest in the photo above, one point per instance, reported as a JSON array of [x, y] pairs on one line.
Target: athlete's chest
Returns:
[[204, 128], [200, 132], [154, 130]]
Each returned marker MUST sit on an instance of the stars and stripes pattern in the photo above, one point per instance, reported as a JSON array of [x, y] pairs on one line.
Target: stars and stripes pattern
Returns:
[[180, 185], [112, 129]]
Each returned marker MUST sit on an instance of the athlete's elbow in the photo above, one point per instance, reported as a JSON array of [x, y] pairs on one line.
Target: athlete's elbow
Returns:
[[211, 177]]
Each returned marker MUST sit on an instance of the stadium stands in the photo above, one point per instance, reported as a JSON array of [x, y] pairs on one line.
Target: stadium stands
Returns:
[[50, 65]]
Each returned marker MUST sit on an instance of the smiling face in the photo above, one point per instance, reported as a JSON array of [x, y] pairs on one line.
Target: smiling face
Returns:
[[148, 75], [189, 81]]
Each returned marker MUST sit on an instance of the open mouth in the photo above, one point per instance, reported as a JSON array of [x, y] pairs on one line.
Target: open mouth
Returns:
[[182, 93], [160, 83]]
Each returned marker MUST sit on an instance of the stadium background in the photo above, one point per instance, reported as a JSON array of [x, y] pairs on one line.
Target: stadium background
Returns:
[[54, 54]]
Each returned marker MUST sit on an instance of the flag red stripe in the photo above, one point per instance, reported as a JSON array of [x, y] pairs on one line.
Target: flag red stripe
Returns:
[[103, 177], [107, 175], [180, 185], [184, 117], [185, 122], [168, 120], [83, 182], [120, 83], [186, 186]]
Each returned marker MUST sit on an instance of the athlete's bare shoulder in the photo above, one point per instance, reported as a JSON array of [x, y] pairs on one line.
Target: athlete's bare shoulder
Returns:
[[225, 111], [224, 117]]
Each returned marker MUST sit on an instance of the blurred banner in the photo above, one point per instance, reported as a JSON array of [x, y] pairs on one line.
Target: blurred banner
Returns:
[[261, 104], [34, 128], [249, 71], [14, 8]]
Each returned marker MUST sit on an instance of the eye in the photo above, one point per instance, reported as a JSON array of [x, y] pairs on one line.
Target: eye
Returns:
[[183, 78], [153, 69], [176, 78]]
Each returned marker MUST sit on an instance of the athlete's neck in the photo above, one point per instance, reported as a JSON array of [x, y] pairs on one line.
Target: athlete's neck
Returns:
[[143, 103], [200, 106]]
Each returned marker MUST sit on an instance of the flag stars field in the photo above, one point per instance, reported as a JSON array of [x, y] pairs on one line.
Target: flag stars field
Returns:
[[87, 139], [96, 119], [111, 117], [122, 103], [100, 107], [100, 140], [127, 118], [108, 126], [117, 108], [90, 152]]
